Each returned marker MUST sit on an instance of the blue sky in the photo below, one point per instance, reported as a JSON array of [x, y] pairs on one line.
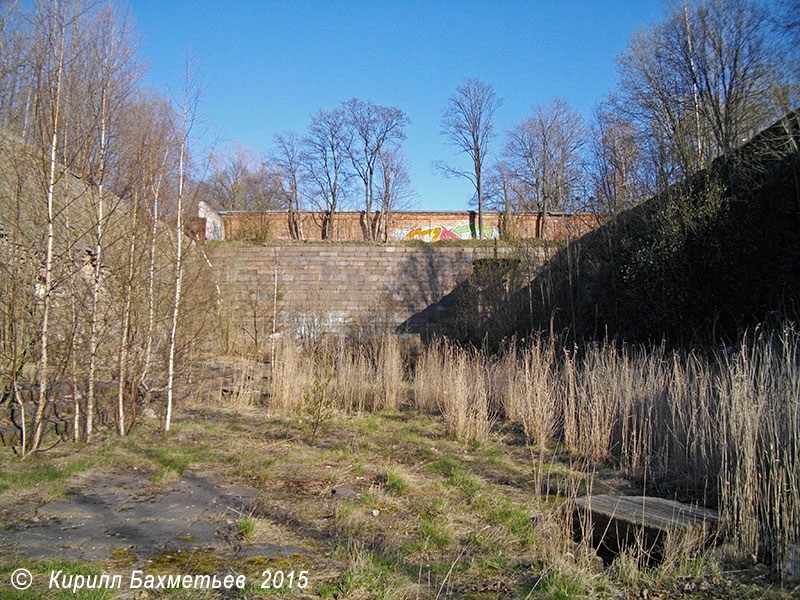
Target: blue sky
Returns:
[[267, 66]]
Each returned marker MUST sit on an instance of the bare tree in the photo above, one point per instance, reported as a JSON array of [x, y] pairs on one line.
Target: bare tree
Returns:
[[147, 131], [191, 96], [15, 68], [79, 159], [230, 168], [372, 126], [700, 83], [505, 194], [324, 160], [788, 19], [55, 50], [116, 74], [288, 155], [17, 304], [615, 163], [157, 164], [543, 153], [468, 124], [241, 180], [394, 187]]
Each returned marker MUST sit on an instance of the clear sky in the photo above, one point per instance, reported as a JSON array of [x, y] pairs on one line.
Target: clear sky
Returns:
[[268, 65]]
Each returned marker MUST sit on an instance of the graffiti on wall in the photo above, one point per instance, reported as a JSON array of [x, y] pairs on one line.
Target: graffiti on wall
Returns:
[[462, 231]]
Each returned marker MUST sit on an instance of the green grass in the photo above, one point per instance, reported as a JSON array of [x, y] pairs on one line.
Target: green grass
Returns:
[[393, 482], [457, 476], [431, 511], [370, 575], [38, 469], [178, 458], [501, 511], [246, 526], [434, 530], [561, 586]]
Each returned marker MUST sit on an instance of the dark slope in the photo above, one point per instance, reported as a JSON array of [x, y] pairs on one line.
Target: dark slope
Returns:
[[699, 262]]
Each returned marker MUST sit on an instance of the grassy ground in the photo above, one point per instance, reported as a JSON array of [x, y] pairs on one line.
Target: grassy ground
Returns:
[[430, 518]]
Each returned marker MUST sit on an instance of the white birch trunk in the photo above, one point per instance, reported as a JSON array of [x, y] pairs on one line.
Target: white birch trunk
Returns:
[[99, 223], [126, 320], [151, 285], [178, 259], [48, 264]]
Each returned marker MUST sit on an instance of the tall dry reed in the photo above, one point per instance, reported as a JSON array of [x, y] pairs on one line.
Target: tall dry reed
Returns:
[[524, 388], [759, 436], [291, 376], [390, 375], [454, 382], [363, 377], [724, 427], [354, 379]]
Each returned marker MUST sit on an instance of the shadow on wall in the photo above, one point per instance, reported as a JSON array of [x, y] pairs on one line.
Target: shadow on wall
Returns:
[[436, 319], [426, 281], [466, 310]]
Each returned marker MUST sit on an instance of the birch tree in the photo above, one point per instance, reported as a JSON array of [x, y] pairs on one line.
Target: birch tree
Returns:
[[191, 96], [54, 48], [116, 76], [147, 129]]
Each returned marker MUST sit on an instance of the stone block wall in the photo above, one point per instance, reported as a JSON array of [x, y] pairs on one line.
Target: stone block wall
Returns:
[[335, 287]]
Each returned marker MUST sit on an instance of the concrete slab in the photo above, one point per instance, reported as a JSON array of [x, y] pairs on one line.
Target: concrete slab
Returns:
[[84, 505], [122, 512], [614, 523]]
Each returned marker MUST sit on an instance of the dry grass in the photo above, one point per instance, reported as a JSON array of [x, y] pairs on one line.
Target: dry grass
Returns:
[[363, 377], [524, 387], [722, 428], [289, 377], [432, 516], [454, 382]]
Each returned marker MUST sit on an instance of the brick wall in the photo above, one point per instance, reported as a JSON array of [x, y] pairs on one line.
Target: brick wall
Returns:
[[428, 226], [331, 287]]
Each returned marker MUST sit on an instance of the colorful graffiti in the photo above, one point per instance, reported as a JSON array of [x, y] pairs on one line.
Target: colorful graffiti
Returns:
[[431, 234], [462, 231]]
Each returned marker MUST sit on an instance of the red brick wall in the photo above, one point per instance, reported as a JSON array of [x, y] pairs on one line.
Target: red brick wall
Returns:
[[348, 226]]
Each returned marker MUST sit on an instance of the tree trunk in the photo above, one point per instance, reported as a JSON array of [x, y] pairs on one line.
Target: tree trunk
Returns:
[[99, 223], [126, 320], [48, 264], [152, 276], [179, 254]]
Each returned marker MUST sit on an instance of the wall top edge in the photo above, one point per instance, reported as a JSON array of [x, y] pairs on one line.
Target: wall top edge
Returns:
[[413, 213]]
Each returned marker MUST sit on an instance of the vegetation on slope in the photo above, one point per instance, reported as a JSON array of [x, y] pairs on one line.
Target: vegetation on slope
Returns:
[[702, 261]]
